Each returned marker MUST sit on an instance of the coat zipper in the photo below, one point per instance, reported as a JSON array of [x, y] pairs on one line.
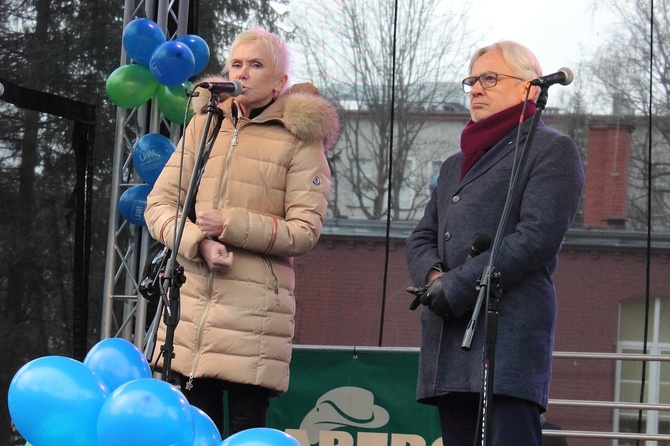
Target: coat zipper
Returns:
[[201, 324], [224, 180]]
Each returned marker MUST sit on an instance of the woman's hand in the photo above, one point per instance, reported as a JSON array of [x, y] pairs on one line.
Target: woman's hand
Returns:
[[216, 255], [210, 222]]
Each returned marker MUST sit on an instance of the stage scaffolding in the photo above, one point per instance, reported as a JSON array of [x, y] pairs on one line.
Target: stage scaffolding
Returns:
[[124, 310]]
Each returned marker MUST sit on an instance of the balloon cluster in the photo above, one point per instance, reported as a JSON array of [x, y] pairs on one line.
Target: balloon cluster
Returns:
[[162, 68], [108, 399]]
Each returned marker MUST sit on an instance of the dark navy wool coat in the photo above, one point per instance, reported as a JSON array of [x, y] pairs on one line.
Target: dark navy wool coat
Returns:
[[548, 195]]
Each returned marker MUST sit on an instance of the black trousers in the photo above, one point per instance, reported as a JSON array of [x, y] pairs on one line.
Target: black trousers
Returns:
[[514, 421], [247, 404]]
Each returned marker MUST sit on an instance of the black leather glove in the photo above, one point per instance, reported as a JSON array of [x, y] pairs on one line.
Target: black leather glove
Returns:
[[432, 295]]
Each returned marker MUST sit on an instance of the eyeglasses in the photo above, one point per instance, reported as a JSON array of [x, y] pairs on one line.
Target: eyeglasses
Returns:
[[486, 80]]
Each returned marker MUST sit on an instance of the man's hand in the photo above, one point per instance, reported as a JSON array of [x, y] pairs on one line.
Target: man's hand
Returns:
[[432, 295]]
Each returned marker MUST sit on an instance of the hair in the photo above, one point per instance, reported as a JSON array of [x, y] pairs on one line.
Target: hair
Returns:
[[520, 59], [274, 43]]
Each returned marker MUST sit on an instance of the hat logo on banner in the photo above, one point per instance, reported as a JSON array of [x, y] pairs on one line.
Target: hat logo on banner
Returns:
[[343, 406]]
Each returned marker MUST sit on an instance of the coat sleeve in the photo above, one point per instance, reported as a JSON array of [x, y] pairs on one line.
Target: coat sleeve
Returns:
[[161, 211], [306, 199], [543, 211], [549, 203]]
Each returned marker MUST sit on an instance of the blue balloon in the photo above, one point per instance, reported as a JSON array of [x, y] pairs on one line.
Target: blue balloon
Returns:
[[200, 51], [141, 38], [133, 202], [206, 432], [117, 361], [144, 412], [260, 436], [55, 401], [150, 154], [172, 63]]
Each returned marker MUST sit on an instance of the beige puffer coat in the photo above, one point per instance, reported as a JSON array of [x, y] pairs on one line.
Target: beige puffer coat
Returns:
[[270, 179]]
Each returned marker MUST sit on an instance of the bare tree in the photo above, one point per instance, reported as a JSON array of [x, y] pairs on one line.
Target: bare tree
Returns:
[[390, 72], [633, 68]]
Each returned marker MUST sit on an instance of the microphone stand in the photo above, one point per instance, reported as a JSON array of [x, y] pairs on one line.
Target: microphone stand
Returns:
[[173, 277], [492, 278]]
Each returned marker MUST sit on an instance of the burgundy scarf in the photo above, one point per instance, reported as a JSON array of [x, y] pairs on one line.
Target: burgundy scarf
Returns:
[[478, 137]]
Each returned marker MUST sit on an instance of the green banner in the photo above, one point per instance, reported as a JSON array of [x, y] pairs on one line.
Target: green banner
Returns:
[[346, 396]]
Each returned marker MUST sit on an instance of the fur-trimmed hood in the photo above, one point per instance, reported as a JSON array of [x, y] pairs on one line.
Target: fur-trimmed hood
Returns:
[[300, 108]]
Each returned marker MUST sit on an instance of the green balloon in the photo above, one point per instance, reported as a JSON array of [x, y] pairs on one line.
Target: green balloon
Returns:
[[172, 101], [130, 86]]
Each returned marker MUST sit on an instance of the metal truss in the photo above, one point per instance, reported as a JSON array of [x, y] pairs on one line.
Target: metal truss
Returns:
[[124, 310]]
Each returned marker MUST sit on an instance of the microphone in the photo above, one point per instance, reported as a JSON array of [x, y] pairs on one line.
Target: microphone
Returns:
[[234, 87], [481, 243], [2, 89], [563, 76]]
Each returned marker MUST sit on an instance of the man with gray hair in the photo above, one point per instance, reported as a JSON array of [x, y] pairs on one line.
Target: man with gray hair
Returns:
[[471, 193]]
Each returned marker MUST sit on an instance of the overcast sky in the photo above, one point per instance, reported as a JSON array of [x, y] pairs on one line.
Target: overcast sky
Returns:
[[559, 32]]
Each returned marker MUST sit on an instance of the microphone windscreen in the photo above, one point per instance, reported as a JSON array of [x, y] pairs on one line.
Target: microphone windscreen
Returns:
[[569, 75], [238, 88]]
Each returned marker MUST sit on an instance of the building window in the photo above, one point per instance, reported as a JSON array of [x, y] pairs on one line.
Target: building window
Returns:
[[657, 374]]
